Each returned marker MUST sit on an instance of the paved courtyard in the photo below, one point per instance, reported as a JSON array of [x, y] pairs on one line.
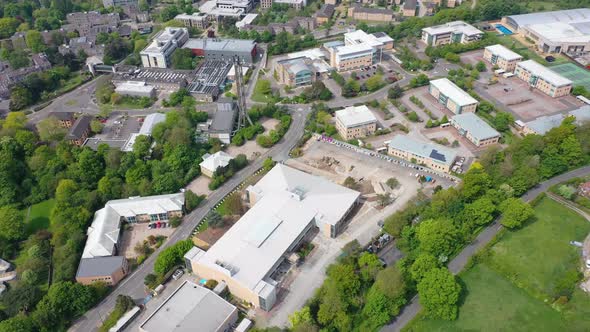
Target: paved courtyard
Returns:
[[136, 234]]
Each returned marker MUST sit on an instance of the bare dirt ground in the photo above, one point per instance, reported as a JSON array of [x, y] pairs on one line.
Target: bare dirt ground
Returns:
[[305, 279], [136, 234], [200, 185]]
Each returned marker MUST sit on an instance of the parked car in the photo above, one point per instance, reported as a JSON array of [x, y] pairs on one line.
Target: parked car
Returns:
[[550, 58], [177, 274]]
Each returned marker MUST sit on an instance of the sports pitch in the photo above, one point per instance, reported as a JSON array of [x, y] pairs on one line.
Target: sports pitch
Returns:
[[578, 75]]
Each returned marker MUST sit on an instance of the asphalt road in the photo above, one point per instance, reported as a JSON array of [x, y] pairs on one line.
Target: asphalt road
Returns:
[[459, 262], [133, 284]]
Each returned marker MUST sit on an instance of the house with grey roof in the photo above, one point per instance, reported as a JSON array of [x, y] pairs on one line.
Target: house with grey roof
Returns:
[[431, 155], [476, 130], [79, 131], [110, 270]]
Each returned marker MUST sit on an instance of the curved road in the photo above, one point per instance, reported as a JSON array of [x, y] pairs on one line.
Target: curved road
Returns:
[[133, 285], [459, 262]]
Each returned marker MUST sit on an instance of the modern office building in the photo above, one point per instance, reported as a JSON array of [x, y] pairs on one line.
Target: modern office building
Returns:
[[211, 162], [355, 122], [452, 97], [415, 151], [226, 8], [103, 234], [110, 270], [285, 205], [476, 130], [195, 20], [566, 31], [158, 53], [452, 32], [543, 78], [295, 72], [208, 80], [502, 57], [161, 79], [223, 49], [295, 4], [360, 49], [192, 308]]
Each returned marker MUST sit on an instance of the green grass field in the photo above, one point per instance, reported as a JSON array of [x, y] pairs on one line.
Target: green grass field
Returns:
[[578, 75], [541, 6], [506, 291], [39, 216], [493, 303]]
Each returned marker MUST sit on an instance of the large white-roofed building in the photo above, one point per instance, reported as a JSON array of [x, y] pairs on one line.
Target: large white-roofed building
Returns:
[[452, 97], [286, 205], [476, 130], [159, 51], [360, 49], [355, 122], [452, 32], [103, 234], [543, 78], [416, 151], [559, 31], [192, 308], [543, 124], [500, 56]]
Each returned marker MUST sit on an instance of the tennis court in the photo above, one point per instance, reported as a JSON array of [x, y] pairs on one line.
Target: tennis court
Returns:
[[578, 75]]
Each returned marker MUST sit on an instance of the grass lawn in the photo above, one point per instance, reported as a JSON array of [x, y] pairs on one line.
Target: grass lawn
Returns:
[[540, 254], [259, 96], [507, 291], [39, 216], [540, 6], [494, 304]]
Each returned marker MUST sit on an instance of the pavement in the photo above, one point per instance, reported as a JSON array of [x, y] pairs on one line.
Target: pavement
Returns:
[[133, 285], [460, 261]]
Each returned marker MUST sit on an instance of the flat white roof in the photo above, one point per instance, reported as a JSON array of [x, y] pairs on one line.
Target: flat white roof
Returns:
[[360, 37], [560, 32], [473, 124], [134, 86], [248, 19], [455, 93], [453, 27], [545, 73], [213, 161], [103, 234], [164, 38], [312, 53], [353, 49], [567, 16], [503, 52], [355, 116], [150, 122], [288, 201], [191, 307]]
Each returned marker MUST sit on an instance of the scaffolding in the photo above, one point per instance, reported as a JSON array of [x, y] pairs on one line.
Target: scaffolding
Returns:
[[242, 112]]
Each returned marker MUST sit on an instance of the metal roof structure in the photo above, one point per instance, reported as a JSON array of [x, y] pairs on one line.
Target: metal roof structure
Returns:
[[566, 16], [424, 149], [543, 72], [455, 93], [190, 308], [354, 116], [150, 121], [473, 124], [454, 27]]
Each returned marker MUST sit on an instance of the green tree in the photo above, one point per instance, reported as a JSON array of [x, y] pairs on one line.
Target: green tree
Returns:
[[480, 66], [8, 26], [142, 146], [15, 120], [96, 126], [301, 317], [395, 92], [183, 58], [391, 282], [268, 164], [374, 83], [12, 225], [35, 41], [437, 236], [475, 183], [192, 200], [172, 256], [439, 294], [515, 212], [49, 129], [19, 323], [422, 265], [20, 97], [479, 213], [369, 266]]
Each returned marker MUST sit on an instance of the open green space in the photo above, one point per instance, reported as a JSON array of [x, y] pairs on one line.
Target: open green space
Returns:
[[539, 255], [541, 6], [579, 76], [492, 303], [39, 216], [513, 286]]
